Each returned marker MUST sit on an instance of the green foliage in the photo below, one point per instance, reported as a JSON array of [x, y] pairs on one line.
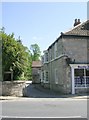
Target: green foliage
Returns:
[[36, 53], [15, 56]]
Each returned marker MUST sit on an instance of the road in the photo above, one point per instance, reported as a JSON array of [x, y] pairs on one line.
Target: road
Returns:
[[37, 91], [45, 107]]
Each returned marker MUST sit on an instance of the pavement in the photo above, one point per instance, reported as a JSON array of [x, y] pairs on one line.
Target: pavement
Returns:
[[36, 91], [25, 98]]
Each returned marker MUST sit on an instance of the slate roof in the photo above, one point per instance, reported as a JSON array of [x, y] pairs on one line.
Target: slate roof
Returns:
[[82, 29], [36, 64]]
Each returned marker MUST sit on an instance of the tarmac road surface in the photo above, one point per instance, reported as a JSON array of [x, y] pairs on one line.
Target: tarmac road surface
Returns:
[[45, 107]]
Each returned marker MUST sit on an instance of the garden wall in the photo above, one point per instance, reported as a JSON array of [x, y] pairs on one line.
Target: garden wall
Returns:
[[12, 88]]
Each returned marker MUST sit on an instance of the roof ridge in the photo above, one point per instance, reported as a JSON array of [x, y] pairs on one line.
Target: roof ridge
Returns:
[[75, 27], [74, 31]]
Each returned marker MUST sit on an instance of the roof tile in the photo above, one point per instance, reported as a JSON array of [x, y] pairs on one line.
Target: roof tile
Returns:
[[81, 29], [36, 64]]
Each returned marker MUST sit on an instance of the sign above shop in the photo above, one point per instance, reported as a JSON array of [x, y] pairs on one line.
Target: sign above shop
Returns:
[[83, 67]]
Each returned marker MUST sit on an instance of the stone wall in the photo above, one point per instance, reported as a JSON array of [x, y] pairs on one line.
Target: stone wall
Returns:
[[76, 49], [12, 88], [47, 85]]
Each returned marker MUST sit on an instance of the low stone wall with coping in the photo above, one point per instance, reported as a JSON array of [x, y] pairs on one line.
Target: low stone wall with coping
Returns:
[[12, 88]]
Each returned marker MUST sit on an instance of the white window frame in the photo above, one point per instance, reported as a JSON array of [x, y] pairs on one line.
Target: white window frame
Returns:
[[46, 58], [42, 76], [84, 78], [50, 54], [42, 59], [73, 67], [45, 80], [47, 76]]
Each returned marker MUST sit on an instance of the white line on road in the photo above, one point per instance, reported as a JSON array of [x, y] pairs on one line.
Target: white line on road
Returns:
[[44, 99], [41, 117]]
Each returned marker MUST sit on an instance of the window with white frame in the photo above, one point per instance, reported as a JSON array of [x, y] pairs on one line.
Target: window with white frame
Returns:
[[46, 56], [46, 75], [42, 59], [87, 77], [56, 76], [42, 76], [81, 77], [50, 54]]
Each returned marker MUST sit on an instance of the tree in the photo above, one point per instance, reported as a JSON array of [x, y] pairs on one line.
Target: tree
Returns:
[[36, 53], [2, 30], [15, 56]]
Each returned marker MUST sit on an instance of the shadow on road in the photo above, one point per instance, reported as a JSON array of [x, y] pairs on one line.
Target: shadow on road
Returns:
[[37, 91]]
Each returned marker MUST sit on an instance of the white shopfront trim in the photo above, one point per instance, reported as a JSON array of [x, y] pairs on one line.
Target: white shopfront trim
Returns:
[[76, 66]]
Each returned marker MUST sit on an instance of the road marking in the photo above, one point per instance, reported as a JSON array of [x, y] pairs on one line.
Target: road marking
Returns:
[[40, 117], [44, 99]]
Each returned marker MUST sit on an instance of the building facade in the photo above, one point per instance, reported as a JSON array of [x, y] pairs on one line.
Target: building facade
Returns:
[[65, 65], [36, 71]]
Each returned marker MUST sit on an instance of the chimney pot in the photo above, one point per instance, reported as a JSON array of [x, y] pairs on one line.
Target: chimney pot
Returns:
[[77, 21]]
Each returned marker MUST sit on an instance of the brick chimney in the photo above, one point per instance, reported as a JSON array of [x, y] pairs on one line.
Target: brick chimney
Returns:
[[77, 21]]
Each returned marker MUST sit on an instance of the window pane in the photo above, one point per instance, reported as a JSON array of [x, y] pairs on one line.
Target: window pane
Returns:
[[87, 72], [46, 76], [79, 72], [43, 75], [79, 78], [87, 77]]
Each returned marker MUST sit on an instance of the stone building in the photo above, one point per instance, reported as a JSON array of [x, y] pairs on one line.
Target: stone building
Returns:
[[65, 65], [36, 71]]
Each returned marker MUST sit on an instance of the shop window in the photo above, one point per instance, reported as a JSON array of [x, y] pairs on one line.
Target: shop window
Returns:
[[79, 72], [87, 77], [81, 77]]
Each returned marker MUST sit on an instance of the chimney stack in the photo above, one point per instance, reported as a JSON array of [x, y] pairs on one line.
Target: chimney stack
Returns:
[[77, 21]]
